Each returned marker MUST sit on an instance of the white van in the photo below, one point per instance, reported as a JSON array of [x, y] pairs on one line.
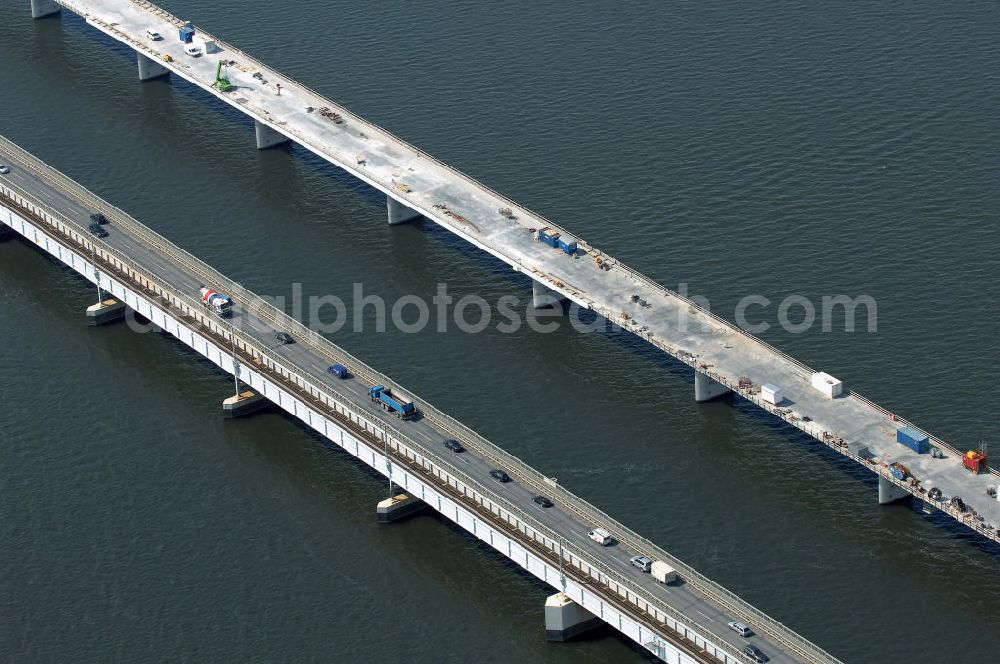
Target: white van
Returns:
[[601, 536], [153, 35]]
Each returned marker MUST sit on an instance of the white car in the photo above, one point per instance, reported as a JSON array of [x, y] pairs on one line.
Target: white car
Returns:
[[192, 50], [153, 35], [601, 536], [4, 170]]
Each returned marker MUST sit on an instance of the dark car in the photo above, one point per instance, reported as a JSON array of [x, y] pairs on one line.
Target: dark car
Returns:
[[98, 218], [500, 476], [95, 229], [754, 653], [542, 501], [454, 445], [284, 337], [338, 370]]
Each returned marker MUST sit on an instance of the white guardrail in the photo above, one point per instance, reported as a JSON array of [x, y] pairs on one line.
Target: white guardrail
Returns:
[[738, 608]]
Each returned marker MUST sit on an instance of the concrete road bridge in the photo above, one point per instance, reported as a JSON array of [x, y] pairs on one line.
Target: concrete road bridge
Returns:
[[681, 622]]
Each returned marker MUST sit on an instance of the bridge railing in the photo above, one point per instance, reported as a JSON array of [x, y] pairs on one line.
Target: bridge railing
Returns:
[[326, 348]]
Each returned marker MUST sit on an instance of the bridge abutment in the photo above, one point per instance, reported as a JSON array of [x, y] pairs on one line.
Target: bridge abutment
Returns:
[[398, 507], [543, 297], [244, 403], [268, 137], [889, 492], [149, 68], [43, 8], [399, 213], [707, 388], [106, 311], [565, 619]]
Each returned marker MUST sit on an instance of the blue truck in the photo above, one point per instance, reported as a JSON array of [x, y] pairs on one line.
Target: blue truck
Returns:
[[397, 404]]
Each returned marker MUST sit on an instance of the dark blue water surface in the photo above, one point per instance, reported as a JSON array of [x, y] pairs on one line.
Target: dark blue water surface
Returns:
[[741, 148]]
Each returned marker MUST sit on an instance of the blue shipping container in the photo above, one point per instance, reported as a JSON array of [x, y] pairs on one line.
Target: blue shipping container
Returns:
[[915, 439], [549, 237], [186, 33], [567, 244]]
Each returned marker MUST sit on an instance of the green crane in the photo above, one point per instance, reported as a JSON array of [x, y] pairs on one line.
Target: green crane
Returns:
[[222, 82]]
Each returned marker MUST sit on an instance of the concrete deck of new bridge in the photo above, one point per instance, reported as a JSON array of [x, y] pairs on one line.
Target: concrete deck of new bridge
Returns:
[[702, 610], [669, 322]]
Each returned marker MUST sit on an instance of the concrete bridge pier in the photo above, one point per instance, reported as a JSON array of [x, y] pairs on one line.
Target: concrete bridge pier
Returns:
[[244, 403], [267, 137], [399, 213], [543, 297], [43, 8], [106, 311], [889, 492], [707, 388], [398, 507], [149, 68], [565, 619]]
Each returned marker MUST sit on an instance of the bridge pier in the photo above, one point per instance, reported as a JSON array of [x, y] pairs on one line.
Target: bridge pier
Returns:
[[149, 68], [543, 297], [43, 8], [889, 492], [398, 507], [399, 213], [244, 403], [106, 311], [268, 137], [565, 619], [707, 388]]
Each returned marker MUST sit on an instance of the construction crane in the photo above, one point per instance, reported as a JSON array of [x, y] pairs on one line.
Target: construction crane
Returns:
[[222, 82]]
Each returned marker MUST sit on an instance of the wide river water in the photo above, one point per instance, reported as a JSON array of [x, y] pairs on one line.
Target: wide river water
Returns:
[[743, 149]]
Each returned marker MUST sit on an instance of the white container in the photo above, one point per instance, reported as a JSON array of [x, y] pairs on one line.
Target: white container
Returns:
[[206, 45], [663, 572], [771, 394], [827, 384]]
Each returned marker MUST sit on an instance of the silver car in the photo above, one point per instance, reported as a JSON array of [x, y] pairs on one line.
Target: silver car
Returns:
[[642, 562], [740, 628], [4, 170]]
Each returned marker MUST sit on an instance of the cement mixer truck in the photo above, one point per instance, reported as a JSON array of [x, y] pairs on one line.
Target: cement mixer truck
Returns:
[[217, 302]]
